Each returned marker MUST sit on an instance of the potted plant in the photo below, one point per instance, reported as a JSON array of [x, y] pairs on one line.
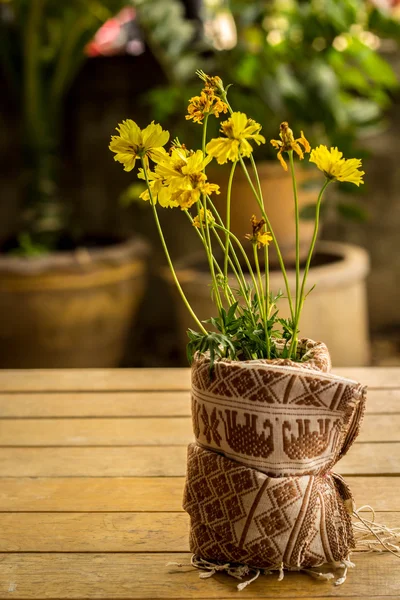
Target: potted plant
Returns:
[[66, 299], [269, 418]]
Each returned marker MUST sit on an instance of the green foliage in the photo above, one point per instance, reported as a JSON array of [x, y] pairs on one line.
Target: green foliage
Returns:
[[131, 193], [170, 36], [41, 50], [352, 211], [28, 247], [241, 335], [313, 62]]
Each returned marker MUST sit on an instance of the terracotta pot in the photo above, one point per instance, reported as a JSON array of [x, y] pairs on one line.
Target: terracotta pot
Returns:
[[335, 311], [70, 309], [276, 185]]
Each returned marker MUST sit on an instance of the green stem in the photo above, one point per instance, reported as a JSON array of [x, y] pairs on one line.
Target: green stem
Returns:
[[278, 251], [208, 245], [204, 138], [228, 216], [228, 292], [308, 262], [266, 262], [244, 254], [297, 219], [32, 77], [205, 232], [267, 304], [237, 271], [66, 63], [261, 305], [168, 257]]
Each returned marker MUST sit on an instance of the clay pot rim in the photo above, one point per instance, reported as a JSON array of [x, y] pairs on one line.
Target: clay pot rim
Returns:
[[123, 251], [353, 264]]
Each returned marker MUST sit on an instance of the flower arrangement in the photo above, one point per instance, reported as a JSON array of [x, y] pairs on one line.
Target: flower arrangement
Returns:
[[247, 324]]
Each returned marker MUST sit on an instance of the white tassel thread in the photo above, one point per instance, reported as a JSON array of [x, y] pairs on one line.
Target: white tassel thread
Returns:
[[383, 537]]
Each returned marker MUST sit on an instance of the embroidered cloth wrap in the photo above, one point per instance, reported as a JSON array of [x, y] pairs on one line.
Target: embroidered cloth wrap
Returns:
[[259, 487]]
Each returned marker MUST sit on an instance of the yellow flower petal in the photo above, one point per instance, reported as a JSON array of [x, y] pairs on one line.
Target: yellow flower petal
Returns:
[[130, 131], [153, 136], [132, 143], [288, 143], [335, 167], [223, 149]]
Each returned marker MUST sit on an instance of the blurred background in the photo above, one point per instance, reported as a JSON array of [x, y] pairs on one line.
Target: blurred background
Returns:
[[82, 274]]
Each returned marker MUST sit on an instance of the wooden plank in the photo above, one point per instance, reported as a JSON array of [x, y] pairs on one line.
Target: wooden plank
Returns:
[[96, 532], [106, 532], [97, 404], [373, 377], [135, 404], [147, 494], [97, 432], [90, 380], [146, 576], [167, 461], [383, 401], [143, 431], [94, 462]]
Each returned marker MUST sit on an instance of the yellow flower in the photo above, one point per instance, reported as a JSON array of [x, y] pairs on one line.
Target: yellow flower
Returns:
[[133, 143], [206, 103], [156, 186], [238, 129], [179, 178], [200, 219], [212, 83], [258, 236], [288, 143], [335, 167]]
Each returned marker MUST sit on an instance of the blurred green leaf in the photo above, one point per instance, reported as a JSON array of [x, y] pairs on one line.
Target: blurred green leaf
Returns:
[[131, 194], [353, 212]]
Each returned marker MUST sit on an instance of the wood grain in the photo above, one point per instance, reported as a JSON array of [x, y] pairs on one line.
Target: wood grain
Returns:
[[96, 404], [97, 432], [146, 576], [376, 377], [135, 404], [168, 461], [96, 532], [144, 431], [92, 466], [53, 380], [147, 494], [105, 532], [90, 380], [136, 461]]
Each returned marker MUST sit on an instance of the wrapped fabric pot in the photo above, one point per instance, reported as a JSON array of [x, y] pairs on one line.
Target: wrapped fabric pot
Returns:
[[259, 489]]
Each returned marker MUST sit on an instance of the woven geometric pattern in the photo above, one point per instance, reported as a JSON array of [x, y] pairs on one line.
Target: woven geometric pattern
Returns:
[[259, 490], [280, 419], [243, 516]]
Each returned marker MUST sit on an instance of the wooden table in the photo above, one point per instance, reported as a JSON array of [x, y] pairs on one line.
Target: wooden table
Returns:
[[92, 467]]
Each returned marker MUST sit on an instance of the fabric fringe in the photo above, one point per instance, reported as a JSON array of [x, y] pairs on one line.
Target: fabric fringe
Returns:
[[370, 536], [209, 568], [374, 537]]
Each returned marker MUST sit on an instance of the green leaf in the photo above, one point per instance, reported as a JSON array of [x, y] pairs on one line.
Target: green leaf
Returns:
[[353, 212], [307, 212]]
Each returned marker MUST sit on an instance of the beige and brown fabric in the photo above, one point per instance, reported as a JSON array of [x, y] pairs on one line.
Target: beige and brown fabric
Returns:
[[259, 489]]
